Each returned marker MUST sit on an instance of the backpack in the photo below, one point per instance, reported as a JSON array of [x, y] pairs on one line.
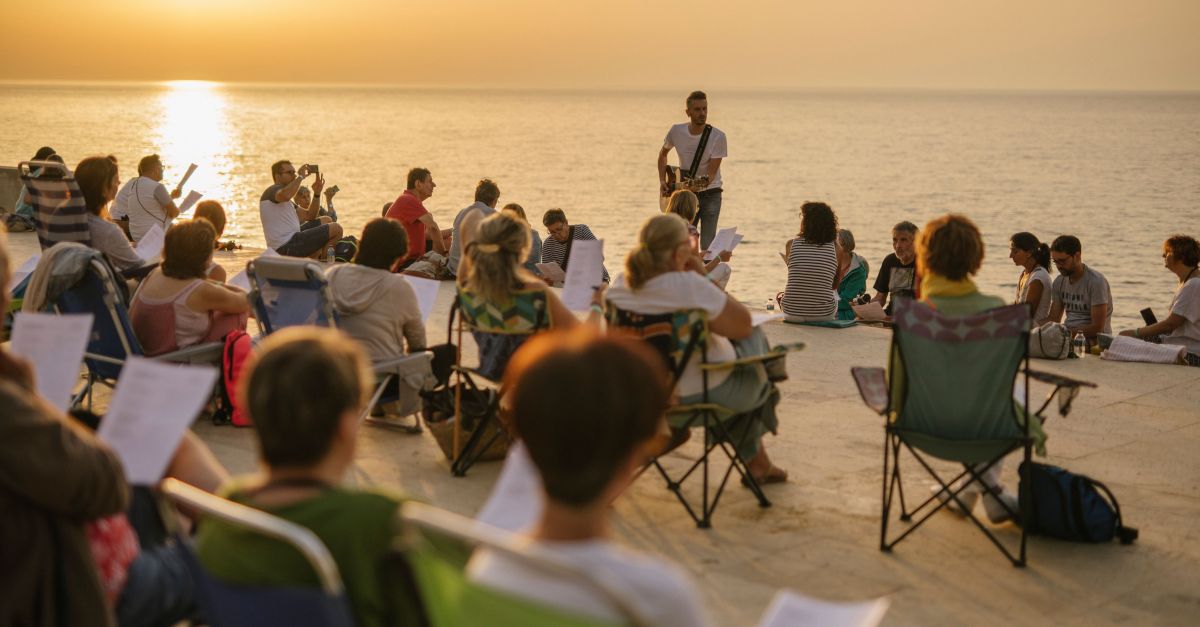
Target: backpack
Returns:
[[1071, 507], [233, 359], [345, 249]]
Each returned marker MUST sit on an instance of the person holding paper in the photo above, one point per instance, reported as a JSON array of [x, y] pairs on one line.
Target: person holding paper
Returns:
[[584, 463], [661, 277], [98, 180], [304, 389], [376, 306], [145, 200], [686, 205], [557, 247], [176, 306], [1181, 255], [813, 260]]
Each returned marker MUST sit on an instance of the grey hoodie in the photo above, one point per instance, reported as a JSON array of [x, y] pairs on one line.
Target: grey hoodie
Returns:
[[377, 308]]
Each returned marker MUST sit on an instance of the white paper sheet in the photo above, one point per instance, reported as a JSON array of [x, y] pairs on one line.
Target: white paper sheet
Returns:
[[189, 201], [241, 279], [585, 273], [869, 311], [792, 609], [552, 271], [152, 406], [25, 270], [758, 318], [151, 244], [54, 345], [427, 291], [1130, 349], [724, 240], [186, 175], [516, 501]]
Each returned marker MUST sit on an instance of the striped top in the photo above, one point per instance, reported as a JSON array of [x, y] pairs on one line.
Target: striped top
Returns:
[[554, 251], [811, 269]]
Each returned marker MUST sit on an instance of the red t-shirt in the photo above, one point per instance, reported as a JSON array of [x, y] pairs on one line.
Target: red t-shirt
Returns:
[[408, 211]]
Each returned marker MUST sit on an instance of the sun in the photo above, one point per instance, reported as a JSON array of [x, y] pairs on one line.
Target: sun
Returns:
[[191, 85]]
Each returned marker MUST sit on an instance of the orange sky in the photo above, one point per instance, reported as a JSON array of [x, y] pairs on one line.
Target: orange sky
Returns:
[[989, 44]]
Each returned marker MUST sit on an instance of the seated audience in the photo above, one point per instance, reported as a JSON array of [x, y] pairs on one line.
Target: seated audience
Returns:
[[853, 270], [1181, 255], [557, 247], [409, 209], [661, 276], [145, 200], [212, 211], [1033, 288], [98, 181], [304, 389], [584, 464], [535, 249], [813, 260], [375, 306], [176, 306], [897, 276], [949, 252], [281, 222], [21, 219], [1079, 291], [686, 205], [303, 202], [466, 223]]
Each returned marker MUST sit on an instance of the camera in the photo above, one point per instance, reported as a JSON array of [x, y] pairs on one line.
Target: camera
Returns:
[[861, 299], [335, 189]]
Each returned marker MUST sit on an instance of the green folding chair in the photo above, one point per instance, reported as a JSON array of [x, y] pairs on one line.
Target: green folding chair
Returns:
[[950, 396], [436, 546], [678, 336]]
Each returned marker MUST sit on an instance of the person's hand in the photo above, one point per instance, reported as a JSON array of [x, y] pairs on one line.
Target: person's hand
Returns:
[[330, 193], [318, 185], [17, 370], [176, 193], [303, 171], [1128, 333], [663, 189], [598, 296], [725, 256]]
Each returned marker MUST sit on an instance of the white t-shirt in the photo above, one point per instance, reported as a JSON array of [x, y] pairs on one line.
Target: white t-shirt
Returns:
[[684, 143], [1187, 304], [143, 200], [658, 592], [279, 219], [680, 291], [1039, 275]]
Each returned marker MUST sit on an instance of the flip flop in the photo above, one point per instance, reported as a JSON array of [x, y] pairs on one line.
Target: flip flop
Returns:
[[774, 475]]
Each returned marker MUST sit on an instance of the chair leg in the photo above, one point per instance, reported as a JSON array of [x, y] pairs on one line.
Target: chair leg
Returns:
[[885, 495]]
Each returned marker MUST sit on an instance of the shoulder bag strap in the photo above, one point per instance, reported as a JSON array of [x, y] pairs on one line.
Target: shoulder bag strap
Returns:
[[691, 173], [567, 250]]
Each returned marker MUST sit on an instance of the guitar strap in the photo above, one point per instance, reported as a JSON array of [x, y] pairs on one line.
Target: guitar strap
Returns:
[[691, 173]]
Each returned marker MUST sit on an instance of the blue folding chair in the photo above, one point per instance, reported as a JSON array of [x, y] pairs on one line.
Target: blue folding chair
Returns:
[[113, 340], [229, 605]]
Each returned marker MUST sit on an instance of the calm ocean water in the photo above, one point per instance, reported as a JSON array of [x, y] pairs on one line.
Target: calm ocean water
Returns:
[[1121, 171]]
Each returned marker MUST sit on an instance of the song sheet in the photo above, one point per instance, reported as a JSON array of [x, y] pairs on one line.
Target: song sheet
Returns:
[[152, 406], [869, 311], [427, 291], [585, 273], [54, 345], [515, 503], [242, 279], [1131, 349], [151, 244], [552, 271], [725, 240], [792, 609], [186, 175], [25, 270], [189, 201], [759, 318]]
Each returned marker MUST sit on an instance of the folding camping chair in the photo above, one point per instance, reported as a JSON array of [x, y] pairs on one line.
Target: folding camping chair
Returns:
[[678, 336], [437, 544], [955, 402], [113, 340], [232, 605], [60, 214], [498, 331]]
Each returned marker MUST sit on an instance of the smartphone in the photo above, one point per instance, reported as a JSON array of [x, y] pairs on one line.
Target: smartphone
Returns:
[[1148, 316], [334, 189], [314, 168]]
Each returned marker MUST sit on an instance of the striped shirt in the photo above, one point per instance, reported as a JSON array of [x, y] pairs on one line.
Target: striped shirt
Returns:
[[811, 269], [554, 251]]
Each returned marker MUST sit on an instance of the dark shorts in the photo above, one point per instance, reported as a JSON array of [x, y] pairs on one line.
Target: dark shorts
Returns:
[[306, 242]]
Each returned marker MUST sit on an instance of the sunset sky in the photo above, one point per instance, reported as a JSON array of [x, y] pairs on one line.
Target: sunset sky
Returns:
[[972, 44]]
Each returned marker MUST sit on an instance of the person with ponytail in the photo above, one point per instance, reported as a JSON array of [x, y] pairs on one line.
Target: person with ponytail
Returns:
[[1033, 288], [685, 204], [662, 275]]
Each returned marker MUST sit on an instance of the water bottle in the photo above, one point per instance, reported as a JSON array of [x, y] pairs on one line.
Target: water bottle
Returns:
[[1079, 348], [770, 304], [329, 255]]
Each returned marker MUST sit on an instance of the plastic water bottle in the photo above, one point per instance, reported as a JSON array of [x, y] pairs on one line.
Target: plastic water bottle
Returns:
[[329, 254], [770, 304], [1080, 345]]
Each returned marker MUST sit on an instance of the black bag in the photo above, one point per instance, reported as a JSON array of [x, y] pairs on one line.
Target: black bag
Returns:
[[1072, 507], [345, 249]]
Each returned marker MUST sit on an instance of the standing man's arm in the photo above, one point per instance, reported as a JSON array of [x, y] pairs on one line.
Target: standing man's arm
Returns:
[[714, 164], [662, 169]]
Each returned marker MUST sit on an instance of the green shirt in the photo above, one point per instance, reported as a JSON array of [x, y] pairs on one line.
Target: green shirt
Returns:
[[357, 527]]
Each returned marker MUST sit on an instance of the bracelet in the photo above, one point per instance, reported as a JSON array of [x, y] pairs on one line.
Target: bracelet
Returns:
[[597, 309], [1137, 332]]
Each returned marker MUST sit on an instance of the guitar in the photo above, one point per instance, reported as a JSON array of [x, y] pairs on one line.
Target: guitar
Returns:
[[677, 180]]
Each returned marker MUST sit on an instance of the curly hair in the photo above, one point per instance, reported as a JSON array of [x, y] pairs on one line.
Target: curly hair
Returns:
[[1184, 248], [818, 223]]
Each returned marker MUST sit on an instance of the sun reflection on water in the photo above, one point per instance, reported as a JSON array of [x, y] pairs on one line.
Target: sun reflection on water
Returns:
[[194, 128]]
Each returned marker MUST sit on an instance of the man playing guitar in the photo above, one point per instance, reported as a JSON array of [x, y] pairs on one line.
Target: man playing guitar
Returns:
[[700, 148]]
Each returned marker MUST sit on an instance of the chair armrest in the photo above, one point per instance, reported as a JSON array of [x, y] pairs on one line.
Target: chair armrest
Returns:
[[386, 366], [209, 353], [1058, 380], [776, 352], [872, 386]]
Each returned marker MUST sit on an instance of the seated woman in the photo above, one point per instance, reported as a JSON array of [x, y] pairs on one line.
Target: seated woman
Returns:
[[304, 390], [949, 252], [535, 251], [375, 306], [584, 464], [686, 205], [176, 306], [661, 276], [98, 180], [1033, 288], [496, 276], [212, 211], [1181, 255], [813, 259], [853, 270]]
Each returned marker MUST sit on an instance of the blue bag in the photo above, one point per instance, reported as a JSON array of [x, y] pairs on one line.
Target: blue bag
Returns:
[[1071, 507]]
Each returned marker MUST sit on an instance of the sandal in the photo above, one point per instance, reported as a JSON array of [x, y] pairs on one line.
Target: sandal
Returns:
[[775, 474]]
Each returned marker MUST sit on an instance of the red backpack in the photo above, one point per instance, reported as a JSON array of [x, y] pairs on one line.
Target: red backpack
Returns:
[[233, 359]]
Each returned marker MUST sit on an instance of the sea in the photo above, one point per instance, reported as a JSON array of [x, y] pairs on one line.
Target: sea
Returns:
[[1119, 170]]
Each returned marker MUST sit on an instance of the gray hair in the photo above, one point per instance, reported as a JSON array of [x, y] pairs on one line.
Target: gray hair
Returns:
[[846, 239]]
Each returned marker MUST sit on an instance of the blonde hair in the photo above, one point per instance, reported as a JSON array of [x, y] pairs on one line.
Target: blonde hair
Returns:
[[685, 204], [516, 209], [657, 241], [496, 256]]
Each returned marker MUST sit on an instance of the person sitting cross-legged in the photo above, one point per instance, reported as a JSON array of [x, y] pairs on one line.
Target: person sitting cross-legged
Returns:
[[584, 464]]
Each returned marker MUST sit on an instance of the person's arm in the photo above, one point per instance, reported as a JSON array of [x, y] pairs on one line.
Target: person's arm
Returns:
[[843, 263], [218, 297], [1055, 315], [1162, 327], [882, 282], [1096, 325], [561, 318], [434, 231], [314, 205], [287, 192], [714, 164], [662, 169], [164, 200], [733, 322], [217, 273], [1034, 296], [112, 242]]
